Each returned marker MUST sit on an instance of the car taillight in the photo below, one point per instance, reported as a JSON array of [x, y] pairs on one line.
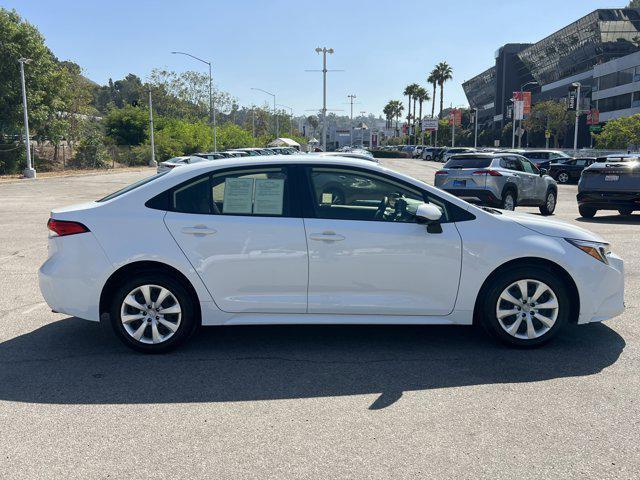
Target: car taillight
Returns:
[[442, 172], [493, 173], [63, 228]]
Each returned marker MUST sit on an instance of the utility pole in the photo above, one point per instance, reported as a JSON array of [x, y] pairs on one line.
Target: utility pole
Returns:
[[575, 133], [324, 51], [546, 138], [453, 131], [351, 99], [362, 130], [28, 172], [513, 123], [475, 136], [153, 162]]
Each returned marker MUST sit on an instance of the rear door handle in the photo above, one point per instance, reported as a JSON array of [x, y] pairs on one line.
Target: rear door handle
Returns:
[[327, 236], [198, 230]]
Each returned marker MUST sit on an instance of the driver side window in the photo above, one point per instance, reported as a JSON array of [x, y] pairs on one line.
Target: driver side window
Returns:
[[343, 194]]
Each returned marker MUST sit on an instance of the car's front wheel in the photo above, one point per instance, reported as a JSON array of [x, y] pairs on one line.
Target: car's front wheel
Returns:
[[152, 313], [563, 177], [525, 306]]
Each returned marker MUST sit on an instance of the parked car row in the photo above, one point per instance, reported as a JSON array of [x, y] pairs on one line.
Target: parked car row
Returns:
[[234, 153]]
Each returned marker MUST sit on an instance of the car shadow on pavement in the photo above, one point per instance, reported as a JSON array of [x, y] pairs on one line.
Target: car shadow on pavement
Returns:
[[73, 361], [613, 219]]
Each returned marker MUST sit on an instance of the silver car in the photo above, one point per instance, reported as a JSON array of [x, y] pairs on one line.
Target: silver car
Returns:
[[498, 180]]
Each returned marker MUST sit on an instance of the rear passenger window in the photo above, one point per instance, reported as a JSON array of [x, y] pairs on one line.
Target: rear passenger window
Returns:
[[246, 192]]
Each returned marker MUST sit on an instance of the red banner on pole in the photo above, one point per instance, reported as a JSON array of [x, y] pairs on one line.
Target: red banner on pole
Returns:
[[593, 117], [455, 116]]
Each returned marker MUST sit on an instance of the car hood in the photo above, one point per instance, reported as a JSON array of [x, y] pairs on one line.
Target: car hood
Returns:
[[552, 228]]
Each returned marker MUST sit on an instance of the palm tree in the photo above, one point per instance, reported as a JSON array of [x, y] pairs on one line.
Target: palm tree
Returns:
[[422, 95], [396, 109], [444, 73], [433, 80], [388, 112], [410, 91]]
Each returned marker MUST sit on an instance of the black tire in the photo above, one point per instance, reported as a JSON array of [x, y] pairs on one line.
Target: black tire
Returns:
[[491, 295], [587, 212], [550, 201], [563, 177], [505, 202], [188, 318], [625, 211]]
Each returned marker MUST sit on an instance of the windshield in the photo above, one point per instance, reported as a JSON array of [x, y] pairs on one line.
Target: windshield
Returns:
[[468, 163], [133, 186]]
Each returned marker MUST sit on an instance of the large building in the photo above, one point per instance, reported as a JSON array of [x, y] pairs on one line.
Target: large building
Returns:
[[601, 51]]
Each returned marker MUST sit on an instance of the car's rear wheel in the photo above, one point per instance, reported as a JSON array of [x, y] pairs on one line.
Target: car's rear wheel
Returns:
[[549, 205], [525, 306], [625, 211], [508, 200], [587, 212], [152, 313], [563, 177]]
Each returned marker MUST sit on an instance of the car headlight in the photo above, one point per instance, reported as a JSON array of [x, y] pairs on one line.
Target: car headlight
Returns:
[[597, 250]]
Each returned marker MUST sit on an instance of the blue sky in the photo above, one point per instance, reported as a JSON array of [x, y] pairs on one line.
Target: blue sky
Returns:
[[381, 45]]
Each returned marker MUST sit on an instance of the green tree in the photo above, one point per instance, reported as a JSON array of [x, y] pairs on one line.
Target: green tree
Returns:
[[552, 115], [44, 78], [634, 4], [433, 80], [91, 151], [422, 95], [127, 126], [620, 133]]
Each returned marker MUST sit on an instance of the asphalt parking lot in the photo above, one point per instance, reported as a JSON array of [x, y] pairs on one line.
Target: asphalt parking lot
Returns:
[[306, 402]]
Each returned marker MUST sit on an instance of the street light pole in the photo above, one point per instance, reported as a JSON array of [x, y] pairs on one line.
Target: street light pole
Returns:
[[533, 82], [362, 130], [475, 137], [212, 108], [28, 172], [324, 51], [274, 108], [575, 133], [153, 162], [291, 118], [351, 99]]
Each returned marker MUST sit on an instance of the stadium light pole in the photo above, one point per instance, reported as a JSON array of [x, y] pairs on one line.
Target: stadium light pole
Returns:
[[212, 108], [274, 108], [28, 172]]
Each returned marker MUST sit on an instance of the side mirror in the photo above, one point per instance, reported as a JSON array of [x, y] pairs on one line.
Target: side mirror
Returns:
[[543, 172], [428, 212]]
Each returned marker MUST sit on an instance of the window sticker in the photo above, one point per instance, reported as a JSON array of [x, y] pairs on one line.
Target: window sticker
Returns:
[[327, 198], [238, 195], [269, 195]]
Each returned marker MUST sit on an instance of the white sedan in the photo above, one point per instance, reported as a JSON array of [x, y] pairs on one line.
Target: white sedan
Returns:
[[299, 239]]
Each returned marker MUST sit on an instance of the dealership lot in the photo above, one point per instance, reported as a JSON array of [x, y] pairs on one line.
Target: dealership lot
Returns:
[[325, 402]]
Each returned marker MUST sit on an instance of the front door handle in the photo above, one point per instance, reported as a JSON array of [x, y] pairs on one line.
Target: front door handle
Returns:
[[327, 236], [199, 230]]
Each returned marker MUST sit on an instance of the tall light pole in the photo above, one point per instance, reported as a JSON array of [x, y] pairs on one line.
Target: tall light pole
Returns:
[[291, 116], [578, 86], [351, 99], [362, 129], [324, 51], [533, 82], [153, 162], [28, 172], [274, 108], [212, 108]]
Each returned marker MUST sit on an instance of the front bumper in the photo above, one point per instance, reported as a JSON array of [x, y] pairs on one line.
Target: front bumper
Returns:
[[602, 291], [607, 200]]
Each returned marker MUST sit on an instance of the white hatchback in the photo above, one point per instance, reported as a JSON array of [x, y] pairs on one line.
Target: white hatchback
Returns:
[[299, 239]]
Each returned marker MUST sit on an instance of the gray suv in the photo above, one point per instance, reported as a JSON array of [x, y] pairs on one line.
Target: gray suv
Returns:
[[498, 180], [611, 183]]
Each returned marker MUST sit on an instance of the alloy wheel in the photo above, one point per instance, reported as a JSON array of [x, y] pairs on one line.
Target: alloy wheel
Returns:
[[563, 177], [150, 314], [551, 202], [509, 202], [527, 309]]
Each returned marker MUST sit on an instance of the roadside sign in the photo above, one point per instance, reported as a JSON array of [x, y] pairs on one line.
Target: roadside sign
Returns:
[[547, 134], [572, 99], [593, 117], [595, 128], [429, 123], [518, 109]]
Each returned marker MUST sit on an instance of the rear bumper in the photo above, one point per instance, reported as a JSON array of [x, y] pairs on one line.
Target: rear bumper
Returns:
[[606, 200], [483, 196]]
